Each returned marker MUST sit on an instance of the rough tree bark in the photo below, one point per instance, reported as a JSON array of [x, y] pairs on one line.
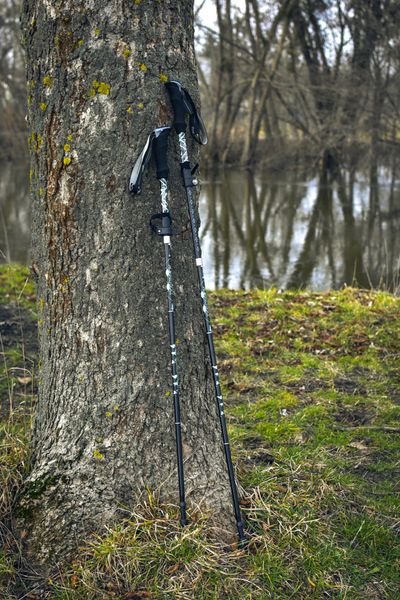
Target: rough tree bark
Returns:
[[104, 427]]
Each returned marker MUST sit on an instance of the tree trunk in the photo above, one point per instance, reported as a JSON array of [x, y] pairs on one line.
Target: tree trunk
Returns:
[[104, 426]]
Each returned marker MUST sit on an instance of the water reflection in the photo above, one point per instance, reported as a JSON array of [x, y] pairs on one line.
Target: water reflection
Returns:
[[260, 231], [14, 213]]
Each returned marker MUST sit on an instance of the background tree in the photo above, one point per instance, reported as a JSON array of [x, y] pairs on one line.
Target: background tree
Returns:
[[298, 77], [280, 79], [104, 427], [12, 83]]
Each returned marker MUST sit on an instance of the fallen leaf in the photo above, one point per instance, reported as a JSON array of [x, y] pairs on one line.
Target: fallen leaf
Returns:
[[245, 502], [281, 488], [137, 595], [173, 569], [358, 445]]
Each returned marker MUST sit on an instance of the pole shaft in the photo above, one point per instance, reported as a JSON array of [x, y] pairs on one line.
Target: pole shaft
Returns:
[[187, 180], [174, 368]]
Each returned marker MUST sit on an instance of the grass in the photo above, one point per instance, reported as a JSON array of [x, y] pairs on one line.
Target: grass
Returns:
[[312, 386], [16, 286]]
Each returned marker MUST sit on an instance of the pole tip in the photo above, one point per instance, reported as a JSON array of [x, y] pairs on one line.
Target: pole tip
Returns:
[[242, 536]]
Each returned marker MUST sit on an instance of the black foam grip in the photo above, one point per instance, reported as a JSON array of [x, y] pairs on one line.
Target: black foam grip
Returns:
[[178, 105], [160, 154]]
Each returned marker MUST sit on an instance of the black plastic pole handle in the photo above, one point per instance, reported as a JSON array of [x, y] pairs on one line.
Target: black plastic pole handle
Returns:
[[181, 109], [183, 105], [160, 149]]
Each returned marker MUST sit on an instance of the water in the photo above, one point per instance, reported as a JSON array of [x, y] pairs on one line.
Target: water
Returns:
[[296, 231], [14, 213], [286, 230]]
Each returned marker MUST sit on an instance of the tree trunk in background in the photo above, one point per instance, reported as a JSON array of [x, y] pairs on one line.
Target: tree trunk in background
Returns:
[[104, 427]]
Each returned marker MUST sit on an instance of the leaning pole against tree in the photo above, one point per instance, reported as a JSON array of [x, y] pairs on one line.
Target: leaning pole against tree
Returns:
[[104, 419], [161, 224], [183, 106]]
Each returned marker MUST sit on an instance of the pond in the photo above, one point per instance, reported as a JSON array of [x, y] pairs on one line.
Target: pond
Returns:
[[286, 230]]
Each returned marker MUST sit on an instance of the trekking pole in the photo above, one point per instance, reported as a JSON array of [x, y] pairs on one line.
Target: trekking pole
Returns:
[[183, 105], [160, 223]]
